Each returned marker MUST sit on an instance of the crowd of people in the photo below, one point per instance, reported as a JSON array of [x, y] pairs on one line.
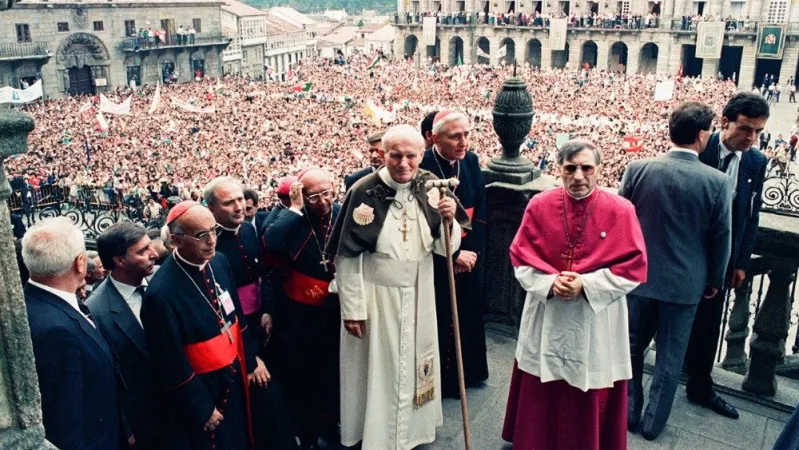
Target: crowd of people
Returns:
[[262, 131], [328, 316], [607, 20]]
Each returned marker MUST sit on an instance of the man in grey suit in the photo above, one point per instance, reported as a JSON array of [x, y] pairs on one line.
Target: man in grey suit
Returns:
[[125, 250], [684, 208]]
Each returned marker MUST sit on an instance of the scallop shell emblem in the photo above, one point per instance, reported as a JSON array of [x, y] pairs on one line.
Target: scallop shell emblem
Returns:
[[433, 197], [363, 214]]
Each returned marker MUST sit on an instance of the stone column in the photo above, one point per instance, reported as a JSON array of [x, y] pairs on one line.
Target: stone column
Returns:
[[790, 55], [710, 68], [493, 46], [400, 7], [546, 55], [715, 7], [602, 55], [575, 54], [20, 400], [633, 57], [746, 78], [664, 55], [738, 330], [771, 330], [444, 48]]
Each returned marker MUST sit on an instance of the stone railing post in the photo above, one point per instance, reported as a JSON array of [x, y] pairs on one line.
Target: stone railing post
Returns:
[[738, 330], [770, 331], [511, 180], [20, 401]]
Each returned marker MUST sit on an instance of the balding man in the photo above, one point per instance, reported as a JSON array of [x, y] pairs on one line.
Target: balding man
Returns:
[[77, 379], [375, 160], [449, 157], [383, 246], [197, 336], [306, 318]]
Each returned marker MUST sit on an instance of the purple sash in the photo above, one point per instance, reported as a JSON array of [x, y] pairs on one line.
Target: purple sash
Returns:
[[250, 298]]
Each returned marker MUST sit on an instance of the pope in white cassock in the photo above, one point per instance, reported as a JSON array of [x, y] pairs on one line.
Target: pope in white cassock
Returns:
[[382, 242]]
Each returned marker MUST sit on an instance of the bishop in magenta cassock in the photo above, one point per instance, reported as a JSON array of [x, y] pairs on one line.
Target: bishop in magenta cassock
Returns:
[[578, 252]]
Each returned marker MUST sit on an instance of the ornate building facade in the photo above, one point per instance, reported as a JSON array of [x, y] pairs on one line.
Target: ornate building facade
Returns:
[[663, 48], [91, 46]]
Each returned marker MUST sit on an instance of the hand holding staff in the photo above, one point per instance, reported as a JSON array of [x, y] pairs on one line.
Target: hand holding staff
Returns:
[[447, 208]]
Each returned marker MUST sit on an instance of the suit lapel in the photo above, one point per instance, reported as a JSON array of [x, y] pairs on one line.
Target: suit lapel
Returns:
[[124, 318], [73, 314]]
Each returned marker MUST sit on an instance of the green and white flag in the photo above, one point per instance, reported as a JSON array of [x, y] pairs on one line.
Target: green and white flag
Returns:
[[374, 62]]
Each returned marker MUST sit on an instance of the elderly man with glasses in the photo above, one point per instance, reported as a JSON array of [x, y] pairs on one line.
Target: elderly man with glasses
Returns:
[[306, 315], [578, 252], [202, 355]]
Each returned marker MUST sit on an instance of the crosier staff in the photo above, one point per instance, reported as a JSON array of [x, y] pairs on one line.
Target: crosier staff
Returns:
[[444, 186]]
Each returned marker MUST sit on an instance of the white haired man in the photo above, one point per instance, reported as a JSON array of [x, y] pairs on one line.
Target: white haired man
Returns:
[[382, 243], [74, 363], [449, 157]]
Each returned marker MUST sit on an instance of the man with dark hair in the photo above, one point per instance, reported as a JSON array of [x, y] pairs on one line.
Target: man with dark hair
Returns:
[[251, 212], [732, 152], [427, 128], [684, 210], [126, 251], [376, 155]]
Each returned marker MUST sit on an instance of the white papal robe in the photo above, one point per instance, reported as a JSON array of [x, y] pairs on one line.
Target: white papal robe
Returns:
[[392, 290]]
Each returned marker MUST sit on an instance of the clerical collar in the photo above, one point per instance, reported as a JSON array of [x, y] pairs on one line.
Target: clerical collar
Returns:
[[451, 162], [384, 175], [199, 267], [580, 198], [232, 230]]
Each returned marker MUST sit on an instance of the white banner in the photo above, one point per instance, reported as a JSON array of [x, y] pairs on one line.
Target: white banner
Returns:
[[502, 51], [557, 34], [429, 31], [664, 90], [11, 95], [156, 100], [480, 52], [191, 108], [709, 39], [107, 106]]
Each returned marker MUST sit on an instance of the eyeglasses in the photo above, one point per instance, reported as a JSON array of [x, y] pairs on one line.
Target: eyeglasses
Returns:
[[205, 236], [316, 198], [571, 169]]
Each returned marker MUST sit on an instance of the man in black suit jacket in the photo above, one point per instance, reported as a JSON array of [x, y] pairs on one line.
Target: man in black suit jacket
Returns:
[[251, 212], [730, 151], [125, 249], [376, 155], [76, 369]]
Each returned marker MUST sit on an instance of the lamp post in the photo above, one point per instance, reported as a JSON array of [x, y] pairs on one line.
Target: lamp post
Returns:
[[513, 117]]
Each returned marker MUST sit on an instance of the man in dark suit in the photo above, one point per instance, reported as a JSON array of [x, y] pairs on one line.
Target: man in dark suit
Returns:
[[77, 375], [684, 209], [17, 227], [765, 138], [376, 156], [251, 212], [730, 151], [125, 249]]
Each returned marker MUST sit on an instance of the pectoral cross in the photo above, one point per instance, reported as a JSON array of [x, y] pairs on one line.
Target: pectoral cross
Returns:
[[404, 229], [324, 262], [568, 257], [226, 329]]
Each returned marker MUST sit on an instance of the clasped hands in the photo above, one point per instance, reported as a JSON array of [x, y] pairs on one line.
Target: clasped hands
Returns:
[[567, 285]]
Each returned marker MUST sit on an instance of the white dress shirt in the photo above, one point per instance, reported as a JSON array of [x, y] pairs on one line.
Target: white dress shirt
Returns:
[[132, 297], [70, 297], [732, 169]]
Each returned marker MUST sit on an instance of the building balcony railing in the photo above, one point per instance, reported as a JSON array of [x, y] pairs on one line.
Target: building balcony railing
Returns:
[[143, 44], [24, 50], [635, 23]]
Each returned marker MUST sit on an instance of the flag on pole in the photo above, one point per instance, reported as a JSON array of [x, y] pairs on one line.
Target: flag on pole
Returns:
[[85, 107], [102, 124], [679, 74], [156, 99], [632, 144], [302, 87], [460, 61], [374, 61]]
